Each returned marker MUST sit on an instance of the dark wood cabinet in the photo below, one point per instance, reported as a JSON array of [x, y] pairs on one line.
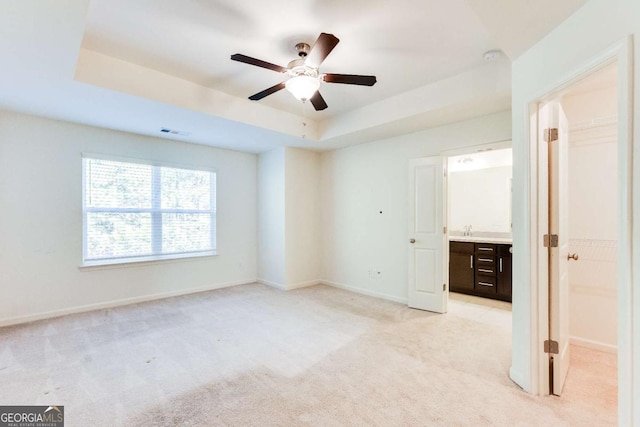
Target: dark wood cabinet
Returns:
[[504, 271], [461, 266], [482, 269]]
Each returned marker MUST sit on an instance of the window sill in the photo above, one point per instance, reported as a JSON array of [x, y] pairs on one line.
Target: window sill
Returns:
[[143, 261]]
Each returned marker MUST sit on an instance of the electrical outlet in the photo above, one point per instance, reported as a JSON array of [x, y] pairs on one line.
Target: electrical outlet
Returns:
[[374, 274]]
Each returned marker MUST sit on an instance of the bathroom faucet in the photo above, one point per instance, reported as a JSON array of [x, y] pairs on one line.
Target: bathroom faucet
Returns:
[[467, 230]]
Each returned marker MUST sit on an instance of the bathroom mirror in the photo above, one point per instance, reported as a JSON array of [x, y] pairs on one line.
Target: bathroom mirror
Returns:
[[480, 190]]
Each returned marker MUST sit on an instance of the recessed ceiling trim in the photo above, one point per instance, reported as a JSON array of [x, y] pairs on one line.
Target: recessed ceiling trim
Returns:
[[489, 82], [115, 74]]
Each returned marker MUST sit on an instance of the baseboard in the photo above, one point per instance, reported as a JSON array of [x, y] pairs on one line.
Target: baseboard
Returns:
[[284, 287], [117, 303], [594, 345], [304, 284], [517, 378], [276, 285], [364, 291]]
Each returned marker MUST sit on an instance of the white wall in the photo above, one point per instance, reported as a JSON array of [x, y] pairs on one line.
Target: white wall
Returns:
[[593, 217], [271, 217], [288, 217], [41, 220], [572, 46], [364, 203], [302, 201], [481, 198]]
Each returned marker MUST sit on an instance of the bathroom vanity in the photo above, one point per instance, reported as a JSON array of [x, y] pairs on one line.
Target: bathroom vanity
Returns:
[[480, 266], [479, 223]]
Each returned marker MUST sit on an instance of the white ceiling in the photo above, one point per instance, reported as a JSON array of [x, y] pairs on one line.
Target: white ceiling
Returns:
[[405, 43], [142, 65], [516, 25]]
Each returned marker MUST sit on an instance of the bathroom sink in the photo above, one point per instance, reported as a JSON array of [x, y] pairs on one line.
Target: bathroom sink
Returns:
[[481, 238]]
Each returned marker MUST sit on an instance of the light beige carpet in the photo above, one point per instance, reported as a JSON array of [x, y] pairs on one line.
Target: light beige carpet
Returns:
[[254, 356]]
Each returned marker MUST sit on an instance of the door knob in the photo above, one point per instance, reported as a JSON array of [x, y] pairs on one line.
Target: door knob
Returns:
[[572, 257], [412, 240]]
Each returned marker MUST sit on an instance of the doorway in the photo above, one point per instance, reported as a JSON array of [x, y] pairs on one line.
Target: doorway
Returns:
[[579, 188], [428, 237], [479, 222]]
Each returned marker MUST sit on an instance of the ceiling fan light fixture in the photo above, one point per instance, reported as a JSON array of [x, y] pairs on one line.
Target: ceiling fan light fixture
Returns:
[[304, 76], [303, 87]]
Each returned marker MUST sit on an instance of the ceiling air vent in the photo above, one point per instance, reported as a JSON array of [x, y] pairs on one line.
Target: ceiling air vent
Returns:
[[175, 132]]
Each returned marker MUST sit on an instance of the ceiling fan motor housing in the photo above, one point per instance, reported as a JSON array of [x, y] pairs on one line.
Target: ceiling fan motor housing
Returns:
[[303, 49], [297, 67]]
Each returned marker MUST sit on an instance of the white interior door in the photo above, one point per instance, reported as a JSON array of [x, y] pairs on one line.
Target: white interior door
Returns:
[[558, 255], [427, 272]]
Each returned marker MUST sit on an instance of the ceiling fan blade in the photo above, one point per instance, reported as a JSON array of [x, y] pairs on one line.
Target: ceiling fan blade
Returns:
[[267, 92], [350, 79], [318, 101], [257, 62], [321, 49]]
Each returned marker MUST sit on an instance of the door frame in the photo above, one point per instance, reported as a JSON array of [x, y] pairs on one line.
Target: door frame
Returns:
[[472, 149], [496, 145], [620, 54]]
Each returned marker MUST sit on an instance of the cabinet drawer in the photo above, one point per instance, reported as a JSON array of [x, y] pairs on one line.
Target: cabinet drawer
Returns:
[[483, 260], [486, 270], [486, 284], [462, 247], [485, 249]]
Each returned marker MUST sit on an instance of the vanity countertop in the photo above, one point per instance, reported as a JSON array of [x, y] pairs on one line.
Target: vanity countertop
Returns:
[[481, 239]]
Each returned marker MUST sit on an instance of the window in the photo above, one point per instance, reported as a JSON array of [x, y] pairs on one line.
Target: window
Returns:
[[136, 211]]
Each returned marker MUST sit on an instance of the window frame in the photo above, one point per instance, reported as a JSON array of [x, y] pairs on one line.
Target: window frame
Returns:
[[154, 210]]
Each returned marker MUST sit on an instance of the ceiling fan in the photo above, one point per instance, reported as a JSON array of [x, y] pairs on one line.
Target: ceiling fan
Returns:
[[304, 77]]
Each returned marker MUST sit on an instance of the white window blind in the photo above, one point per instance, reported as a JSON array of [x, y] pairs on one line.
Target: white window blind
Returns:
[[137, 211]]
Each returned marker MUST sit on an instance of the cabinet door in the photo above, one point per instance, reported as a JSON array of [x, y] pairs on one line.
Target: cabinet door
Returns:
[[504, 271], [460, 271]]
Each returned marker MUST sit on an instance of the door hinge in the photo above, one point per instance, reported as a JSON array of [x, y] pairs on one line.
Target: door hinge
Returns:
[[444, 287], [551, 134], [551, 347], [550, 240], [444, 230]]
